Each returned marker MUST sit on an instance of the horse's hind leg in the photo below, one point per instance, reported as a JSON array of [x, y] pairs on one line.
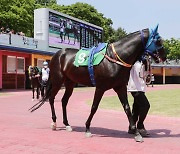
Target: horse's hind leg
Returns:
[[69, 85], [65, 36], [54, 92], [74, 39], [37, 93], [97, 98], [33, 93], [68, 38]]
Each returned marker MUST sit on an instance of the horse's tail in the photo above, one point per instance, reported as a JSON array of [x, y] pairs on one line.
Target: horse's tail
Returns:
[[45, 97]]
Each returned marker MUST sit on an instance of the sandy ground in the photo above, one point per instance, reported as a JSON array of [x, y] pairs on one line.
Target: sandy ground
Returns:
[[25, 132]]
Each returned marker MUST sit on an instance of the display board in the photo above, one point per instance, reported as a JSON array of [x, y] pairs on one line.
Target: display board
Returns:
[[67, 31]]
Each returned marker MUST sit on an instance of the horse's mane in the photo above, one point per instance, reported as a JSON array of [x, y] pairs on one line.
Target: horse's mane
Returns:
[[127, 37], [38, 69]]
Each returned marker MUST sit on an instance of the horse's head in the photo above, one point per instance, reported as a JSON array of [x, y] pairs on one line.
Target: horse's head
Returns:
[[154, 46], [33, 71], [30, 70]]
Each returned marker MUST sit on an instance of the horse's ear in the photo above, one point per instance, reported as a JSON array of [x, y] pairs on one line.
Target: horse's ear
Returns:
[[156, 29], [29, 69]]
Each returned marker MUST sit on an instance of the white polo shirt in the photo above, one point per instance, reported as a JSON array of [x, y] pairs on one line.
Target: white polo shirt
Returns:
[[136, 79], [45, 74]]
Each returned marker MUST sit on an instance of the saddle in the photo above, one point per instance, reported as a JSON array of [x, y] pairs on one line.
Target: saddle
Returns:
[[98, 48], [90, 57]]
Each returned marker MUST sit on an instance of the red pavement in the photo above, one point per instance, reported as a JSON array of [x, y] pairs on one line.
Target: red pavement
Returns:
[[24, 132]]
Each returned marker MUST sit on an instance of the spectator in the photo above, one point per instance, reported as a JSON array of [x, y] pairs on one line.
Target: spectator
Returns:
[[12, 31], [8, 30], [20, 33], [3, 30], [61, 29]]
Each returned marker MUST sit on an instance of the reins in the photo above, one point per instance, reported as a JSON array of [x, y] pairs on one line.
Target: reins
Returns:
[[148, 51], [148, 73]]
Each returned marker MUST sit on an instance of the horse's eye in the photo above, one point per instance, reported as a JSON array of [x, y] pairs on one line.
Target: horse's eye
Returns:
[[159, 42]]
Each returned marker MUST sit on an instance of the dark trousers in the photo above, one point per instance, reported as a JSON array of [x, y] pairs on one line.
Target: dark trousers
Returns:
[[43, 88], [140, 108]]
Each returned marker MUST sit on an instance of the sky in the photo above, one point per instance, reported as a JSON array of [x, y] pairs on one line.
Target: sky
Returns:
[[134, 15]]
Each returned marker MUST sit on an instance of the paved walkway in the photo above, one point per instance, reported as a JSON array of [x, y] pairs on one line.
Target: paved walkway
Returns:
[[24, 133]]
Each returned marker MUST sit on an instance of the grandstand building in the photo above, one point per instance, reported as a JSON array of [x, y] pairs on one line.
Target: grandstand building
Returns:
[[52, 32]]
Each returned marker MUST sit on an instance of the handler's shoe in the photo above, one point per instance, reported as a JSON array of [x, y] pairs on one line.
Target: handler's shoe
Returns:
[[144, 132], [131, 131]]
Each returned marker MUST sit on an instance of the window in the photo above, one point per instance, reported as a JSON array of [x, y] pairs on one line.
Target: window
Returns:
[[11, 64], [15, 64], [20, 65], [40, 62]]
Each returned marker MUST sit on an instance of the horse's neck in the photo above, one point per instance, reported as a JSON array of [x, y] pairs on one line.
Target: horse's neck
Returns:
[[130, 49]]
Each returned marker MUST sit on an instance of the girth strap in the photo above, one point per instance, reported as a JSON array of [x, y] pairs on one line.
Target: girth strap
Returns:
[[90, 65]]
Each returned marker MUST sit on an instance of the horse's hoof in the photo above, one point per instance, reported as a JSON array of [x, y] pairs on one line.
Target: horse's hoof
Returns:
[[138, 138], [88, 134], [69, 128], [53, 126]]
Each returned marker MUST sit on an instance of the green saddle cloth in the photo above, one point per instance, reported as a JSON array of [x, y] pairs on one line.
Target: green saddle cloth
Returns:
[[82, 56]]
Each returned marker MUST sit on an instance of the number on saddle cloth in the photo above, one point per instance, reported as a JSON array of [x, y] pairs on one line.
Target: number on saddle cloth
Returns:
[[90, 57]]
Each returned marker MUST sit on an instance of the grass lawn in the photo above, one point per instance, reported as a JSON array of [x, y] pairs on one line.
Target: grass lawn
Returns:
[[163, 102], [4, 94], [84, 89]]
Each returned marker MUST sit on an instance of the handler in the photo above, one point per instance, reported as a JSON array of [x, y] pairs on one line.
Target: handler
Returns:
[[45, 76], [137, 87]]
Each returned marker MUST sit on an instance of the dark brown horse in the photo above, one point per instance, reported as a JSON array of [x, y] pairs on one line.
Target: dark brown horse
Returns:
[[34, 76], [113, 72], [74, 31]]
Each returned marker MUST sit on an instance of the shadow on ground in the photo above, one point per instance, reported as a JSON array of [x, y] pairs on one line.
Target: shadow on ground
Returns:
[[105, 132]]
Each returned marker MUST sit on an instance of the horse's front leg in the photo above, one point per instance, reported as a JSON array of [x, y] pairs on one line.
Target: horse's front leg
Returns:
[[33, 93], [74, 38], [68, 38], [97, 98], [65, 36], [122, 94], [68, 92]]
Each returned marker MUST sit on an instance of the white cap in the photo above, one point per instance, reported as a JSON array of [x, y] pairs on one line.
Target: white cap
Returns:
[[45, 63]]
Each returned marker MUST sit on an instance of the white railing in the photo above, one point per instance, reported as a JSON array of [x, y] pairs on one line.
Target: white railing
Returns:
[[23, 42]]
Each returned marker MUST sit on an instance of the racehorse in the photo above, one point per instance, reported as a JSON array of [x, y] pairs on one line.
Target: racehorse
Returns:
[[112, 73], [34, 76], [73, 30]]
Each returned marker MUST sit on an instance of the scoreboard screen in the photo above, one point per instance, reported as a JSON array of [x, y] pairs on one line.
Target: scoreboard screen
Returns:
[[68, 32]]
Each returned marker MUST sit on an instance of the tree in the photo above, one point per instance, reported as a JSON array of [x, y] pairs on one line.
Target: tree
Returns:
[[117, 35], [17, 15], [172, 48], [89, 14], [46, 2]]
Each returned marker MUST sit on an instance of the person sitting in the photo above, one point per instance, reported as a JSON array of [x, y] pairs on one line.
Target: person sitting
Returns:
[[45, 76], [137, 87]]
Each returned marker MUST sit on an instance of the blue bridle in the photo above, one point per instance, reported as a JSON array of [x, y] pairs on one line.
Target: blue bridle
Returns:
[[151, 46]]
